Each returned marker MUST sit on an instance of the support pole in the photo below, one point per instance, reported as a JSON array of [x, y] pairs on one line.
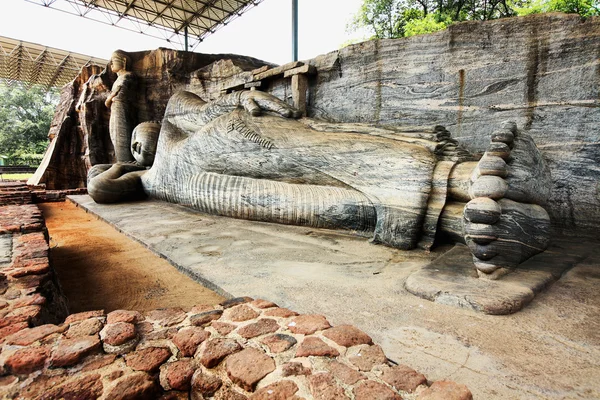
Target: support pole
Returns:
[[185, 36], [294, 30]]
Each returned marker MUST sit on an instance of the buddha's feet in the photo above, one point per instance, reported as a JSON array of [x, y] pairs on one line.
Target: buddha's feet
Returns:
[[505, 223]]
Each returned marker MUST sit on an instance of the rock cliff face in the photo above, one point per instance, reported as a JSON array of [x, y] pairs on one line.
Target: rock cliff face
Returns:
[[542, 71]]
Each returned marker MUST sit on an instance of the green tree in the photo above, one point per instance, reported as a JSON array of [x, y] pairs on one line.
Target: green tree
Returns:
[[585, 8], [25, 117], [383, 18], [398, 18], [419, 26]]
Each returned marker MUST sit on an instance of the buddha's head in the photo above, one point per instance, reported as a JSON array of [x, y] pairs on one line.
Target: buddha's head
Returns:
[[119, 61], [143, 142]]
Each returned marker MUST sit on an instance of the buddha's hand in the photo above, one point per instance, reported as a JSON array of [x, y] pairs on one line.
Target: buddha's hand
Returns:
[[255, 102]]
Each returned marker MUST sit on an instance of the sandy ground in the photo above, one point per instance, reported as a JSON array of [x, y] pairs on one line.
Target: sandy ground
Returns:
[[101, 268]]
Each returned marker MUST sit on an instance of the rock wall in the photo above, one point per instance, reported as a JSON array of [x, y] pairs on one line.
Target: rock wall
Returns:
[[541, 71]]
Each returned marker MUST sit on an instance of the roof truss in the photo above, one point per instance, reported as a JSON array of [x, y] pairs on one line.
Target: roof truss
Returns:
[[32, 63], [163, 19]]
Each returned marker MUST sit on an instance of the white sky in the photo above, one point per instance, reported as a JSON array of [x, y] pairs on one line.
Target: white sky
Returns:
[[263, 32]]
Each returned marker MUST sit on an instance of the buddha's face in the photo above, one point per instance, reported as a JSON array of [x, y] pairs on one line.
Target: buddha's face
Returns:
[[143, 142], [118, 61], [117, 64]]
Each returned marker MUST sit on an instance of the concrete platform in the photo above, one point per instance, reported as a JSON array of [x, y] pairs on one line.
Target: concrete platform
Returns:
[[451, 279], [550, 350]]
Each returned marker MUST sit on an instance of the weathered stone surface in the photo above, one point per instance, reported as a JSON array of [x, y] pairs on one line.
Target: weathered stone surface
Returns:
[[27, 360], [215, 350], [235, 301], [87, 387], [175, 395], [227, 393], [450, 281], [294, 369], [86, 327], [279, 342], [30, 281], [138, 385], [96, 362], [148, 359], [445, 390], [204, 384], [23, 314], [188, 339], [83, 315], [12, 328], [368, 390], [323, 387], [260, 303], [31, 267], [205, 317], [313, 346], [344, 373], [308, 324], [261, 327], [279, 390], [35, 299], [132, 317], [403, 377], [368, 357], [222, 327], [117, 333], [28, 336], [280, 312], [240, 313], [159, 334], [71, 351], [347, 335], [40, 385], [116, 374], [144, 328], [177, 375], [248, 367], [166, 316]]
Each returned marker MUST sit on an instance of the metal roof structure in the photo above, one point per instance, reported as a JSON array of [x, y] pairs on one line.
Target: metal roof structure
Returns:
[[172, 20], [33, 63]]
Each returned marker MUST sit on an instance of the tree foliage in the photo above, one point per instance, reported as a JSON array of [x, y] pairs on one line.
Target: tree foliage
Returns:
[[25, 117], [399, 18]]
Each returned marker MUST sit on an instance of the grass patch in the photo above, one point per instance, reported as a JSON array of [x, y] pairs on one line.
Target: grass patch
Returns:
[[16, 177]]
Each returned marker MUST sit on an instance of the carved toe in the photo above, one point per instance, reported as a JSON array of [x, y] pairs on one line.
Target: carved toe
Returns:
[[482, 210], [502, 227]]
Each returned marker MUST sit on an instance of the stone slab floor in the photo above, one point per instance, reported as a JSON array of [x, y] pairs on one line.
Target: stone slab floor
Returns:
[[549, 350]]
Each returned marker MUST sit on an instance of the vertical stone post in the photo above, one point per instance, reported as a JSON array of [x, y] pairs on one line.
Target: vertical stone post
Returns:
[[299, 86]]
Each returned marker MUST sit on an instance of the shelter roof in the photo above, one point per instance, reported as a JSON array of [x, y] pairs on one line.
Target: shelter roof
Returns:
[[164, 19], [33, 63]]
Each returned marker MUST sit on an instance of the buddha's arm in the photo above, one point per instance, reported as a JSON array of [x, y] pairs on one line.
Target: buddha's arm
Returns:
[[120, 182], [190, 113]]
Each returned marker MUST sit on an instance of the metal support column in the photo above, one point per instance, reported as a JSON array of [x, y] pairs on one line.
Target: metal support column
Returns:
[[185, 36], [294, 30]]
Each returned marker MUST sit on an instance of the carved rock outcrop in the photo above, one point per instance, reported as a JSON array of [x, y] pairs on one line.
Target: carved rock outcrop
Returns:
[[541, 71]]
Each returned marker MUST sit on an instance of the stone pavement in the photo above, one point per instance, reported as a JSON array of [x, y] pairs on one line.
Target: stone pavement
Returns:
[[239, 349], [549, 350]]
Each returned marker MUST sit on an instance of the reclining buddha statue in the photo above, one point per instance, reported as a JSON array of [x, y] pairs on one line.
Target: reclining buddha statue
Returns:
[[248, 155]]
